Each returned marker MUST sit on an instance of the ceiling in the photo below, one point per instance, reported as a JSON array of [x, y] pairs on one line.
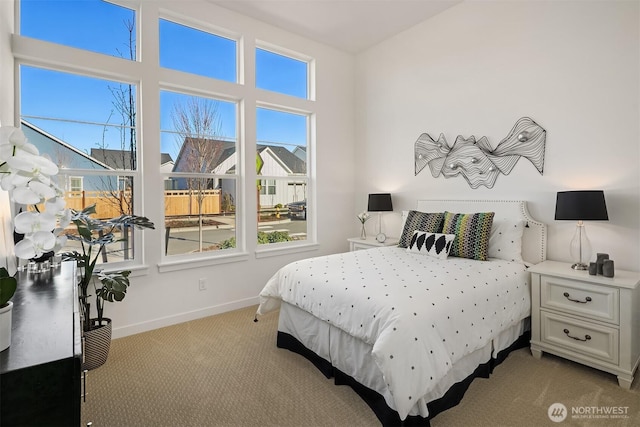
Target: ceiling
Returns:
[[349, 25]]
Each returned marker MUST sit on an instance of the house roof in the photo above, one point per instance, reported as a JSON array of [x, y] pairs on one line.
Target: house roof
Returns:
[[165, 158], [121, 159], [116, 159], [228, 148], [65, 145], [290, 160], [224, 150]]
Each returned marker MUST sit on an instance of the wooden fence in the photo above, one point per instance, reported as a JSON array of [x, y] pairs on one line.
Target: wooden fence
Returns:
[[176, 202], [185, 202]]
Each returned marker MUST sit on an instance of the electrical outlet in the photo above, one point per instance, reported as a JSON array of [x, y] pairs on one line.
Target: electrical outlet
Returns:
[[202, 284]]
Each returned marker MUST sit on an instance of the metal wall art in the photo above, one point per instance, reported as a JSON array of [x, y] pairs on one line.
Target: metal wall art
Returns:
[[477, 161]]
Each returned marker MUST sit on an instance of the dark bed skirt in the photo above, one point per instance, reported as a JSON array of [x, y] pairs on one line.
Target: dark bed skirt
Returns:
[[386, 415]]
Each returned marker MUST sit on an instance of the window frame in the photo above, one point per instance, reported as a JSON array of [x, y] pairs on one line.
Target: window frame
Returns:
[[137, 263], [38, 53], [71, 186]]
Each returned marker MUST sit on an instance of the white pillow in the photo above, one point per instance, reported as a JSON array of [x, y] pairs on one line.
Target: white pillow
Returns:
[[433, 244], [505, 240]]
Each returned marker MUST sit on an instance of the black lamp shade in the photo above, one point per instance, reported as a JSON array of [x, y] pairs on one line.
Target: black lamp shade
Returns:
[[380, 202], [588, 205]]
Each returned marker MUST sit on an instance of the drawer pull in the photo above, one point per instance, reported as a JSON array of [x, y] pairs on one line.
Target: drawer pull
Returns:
[[586, 337], [586, 300]]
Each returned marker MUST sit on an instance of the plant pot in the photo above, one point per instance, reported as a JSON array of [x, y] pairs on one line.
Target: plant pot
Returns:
[[97, 342], [5, 325]]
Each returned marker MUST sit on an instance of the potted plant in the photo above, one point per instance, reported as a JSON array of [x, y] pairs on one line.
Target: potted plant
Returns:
[[26, 180], [8, 285], [93, 235]]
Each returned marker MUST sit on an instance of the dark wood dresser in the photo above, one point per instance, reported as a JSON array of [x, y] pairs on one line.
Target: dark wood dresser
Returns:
[[40, 383]]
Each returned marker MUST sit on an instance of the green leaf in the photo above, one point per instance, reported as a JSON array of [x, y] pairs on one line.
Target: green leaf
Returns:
[[8, 286]]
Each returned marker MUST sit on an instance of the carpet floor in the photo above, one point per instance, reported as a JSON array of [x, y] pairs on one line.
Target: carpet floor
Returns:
[[226, 370]]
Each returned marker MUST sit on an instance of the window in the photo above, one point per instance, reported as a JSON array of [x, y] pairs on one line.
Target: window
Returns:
[[94, 25], [82, 125], [82, 103], [200, 134], [75, 185], [282, 166], [281, 74], [198, 52], [267, 186]]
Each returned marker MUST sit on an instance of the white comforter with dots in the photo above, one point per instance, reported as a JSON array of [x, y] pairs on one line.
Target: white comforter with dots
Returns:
[[420, 314]]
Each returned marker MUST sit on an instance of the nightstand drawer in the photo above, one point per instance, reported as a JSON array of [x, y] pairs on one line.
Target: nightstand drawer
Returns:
[[589, 339], [582, 299]]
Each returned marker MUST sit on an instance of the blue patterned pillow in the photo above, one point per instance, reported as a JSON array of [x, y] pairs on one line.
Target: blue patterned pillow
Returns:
[[433, 244]]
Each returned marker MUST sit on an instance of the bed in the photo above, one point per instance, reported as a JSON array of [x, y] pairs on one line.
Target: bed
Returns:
[[406, 329]]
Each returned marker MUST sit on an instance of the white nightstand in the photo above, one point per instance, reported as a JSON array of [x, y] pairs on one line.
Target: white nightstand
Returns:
[[593, 320], [356, 243]]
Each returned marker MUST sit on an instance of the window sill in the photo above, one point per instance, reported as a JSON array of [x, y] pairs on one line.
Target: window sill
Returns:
[[184, 264], [285, 250], [136, 270]]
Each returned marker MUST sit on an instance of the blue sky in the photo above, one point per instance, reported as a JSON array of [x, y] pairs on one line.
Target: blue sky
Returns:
[[101, 27]]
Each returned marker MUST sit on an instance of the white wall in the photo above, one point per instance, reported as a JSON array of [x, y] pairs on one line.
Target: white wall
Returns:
[[157, 298], [474, 70], [6, 63]]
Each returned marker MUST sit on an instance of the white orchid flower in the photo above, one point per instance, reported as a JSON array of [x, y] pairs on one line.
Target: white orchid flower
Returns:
[[64, 219], [34, 245], [12, 140], [12, 135], [26, 175], [61, 240], [32, 164], [35, 192], [31, 222], [55, 206], [6, 151]]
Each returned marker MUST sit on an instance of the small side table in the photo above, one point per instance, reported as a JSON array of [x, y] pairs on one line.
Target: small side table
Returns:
[[356, 243], [593, 320]]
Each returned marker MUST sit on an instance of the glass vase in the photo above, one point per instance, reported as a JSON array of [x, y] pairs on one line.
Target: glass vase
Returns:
[[363, 232]]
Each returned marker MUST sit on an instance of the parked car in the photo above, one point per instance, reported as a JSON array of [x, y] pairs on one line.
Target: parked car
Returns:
[[298, 210]]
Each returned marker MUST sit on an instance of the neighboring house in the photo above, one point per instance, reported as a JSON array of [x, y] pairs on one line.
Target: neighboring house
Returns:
[[278, 161], [220, 157], [122, 160], [166, 166], [67, 157], [300, 152]]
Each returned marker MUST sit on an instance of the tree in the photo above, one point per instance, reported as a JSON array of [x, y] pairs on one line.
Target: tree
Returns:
[[198, 125], [118, 192]]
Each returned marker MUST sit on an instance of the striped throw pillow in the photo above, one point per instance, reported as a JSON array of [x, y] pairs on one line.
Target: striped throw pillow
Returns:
[[472, 234], [423, 221]]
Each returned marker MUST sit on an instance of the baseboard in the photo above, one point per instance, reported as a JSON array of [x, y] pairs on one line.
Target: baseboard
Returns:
[[150, 325]]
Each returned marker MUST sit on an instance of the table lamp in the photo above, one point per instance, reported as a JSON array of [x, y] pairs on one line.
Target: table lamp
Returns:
[[380, 202], [585, 205]]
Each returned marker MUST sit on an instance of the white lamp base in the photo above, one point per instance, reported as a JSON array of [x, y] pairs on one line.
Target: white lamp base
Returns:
[[580, 248]]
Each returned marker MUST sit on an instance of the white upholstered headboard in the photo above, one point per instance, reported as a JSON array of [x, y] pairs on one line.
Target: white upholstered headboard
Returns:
[[534, 239]]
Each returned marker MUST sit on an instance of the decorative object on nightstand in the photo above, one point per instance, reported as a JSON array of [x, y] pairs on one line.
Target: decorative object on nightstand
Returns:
[[380, 202], [607, 268], [585, 205], [363, 217], [590, 319], [600, 257]]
